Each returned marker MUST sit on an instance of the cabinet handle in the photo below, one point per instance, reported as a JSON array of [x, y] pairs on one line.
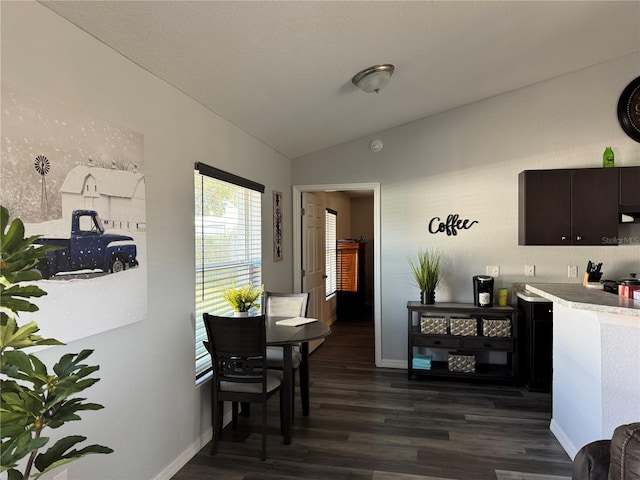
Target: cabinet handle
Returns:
[[487, 345], [437, 342], [578, 238]]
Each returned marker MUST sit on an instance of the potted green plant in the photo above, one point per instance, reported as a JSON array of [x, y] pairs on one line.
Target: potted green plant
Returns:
[[242, 299], [427, 273], [31, 397]]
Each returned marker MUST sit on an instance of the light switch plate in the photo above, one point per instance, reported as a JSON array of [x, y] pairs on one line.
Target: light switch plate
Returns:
[[493, 270], [529, 270], [572, 271]]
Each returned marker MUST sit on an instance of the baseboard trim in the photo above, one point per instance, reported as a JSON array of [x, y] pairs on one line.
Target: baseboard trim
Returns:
[[191, 451], [393, 364], [174, 467], [563, 438]]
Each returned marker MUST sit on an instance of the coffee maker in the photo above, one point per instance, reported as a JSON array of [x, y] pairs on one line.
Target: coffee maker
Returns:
[[483, 291]]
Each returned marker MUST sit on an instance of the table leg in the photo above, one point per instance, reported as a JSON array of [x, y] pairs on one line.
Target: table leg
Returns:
[[287, 385], [304, 378]]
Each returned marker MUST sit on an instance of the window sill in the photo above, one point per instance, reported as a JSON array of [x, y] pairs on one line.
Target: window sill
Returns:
[[204, 378]]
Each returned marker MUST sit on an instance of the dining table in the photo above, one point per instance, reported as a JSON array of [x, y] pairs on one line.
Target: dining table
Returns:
[[287, 337]]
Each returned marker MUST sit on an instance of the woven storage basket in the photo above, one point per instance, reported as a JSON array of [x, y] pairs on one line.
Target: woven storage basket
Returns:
[[496, 327], [462, 362], [433, 325], [465, 326]]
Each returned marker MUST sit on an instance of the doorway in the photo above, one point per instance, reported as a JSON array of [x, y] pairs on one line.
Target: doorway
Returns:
[[299, 241]]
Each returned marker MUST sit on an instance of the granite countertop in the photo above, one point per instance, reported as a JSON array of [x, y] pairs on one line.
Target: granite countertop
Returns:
[[575, 295], [529, 296]]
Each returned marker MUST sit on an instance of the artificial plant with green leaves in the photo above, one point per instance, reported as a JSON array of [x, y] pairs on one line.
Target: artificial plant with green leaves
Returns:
[[427, 271], [32, 398], [243, 299]]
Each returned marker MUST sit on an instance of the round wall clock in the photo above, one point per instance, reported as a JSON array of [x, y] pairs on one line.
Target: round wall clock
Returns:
[[629, 109]]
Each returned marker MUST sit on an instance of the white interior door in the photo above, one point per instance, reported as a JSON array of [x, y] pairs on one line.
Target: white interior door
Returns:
[[313, 252], [299, 245]]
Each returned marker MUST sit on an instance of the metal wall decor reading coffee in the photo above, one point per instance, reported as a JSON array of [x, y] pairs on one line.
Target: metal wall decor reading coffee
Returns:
[[451, 226], [629, 109]]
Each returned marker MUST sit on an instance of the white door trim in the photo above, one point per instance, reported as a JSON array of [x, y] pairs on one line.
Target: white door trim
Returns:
[[297, 250]]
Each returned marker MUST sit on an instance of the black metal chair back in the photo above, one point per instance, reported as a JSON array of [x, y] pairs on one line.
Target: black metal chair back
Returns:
[[238, 350], [237, 346]]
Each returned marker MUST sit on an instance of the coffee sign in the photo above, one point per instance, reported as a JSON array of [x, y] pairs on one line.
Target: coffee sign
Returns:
[[451, 226]]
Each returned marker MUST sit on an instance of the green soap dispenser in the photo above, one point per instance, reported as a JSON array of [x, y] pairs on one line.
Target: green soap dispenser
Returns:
[[607, 157]]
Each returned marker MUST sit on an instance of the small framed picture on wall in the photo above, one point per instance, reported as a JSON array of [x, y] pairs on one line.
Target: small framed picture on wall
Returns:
[[277, 226]]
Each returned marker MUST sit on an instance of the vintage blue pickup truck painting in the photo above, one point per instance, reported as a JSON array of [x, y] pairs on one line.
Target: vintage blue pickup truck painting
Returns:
[[77, 181], [88, 248]]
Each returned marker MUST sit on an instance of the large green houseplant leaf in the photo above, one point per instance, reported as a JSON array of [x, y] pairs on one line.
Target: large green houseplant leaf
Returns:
[[31, 397]]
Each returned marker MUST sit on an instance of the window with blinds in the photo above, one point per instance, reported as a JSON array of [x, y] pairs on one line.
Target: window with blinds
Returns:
[[228, 241], [348, 266], [330, 251]]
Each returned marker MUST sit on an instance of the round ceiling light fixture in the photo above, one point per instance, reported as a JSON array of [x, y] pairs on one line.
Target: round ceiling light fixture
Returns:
[[373, 79]]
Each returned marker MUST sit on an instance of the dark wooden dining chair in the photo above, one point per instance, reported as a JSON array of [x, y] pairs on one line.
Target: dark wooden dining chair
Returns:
[[240, 374], [289, 305]]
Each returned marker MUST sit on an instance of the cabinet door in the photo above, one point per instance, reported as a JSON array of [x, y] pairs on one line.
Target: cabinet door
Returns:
[[525, 315], [629, 187], [535, 341], [541, 355], [594, 205], [544, 204]]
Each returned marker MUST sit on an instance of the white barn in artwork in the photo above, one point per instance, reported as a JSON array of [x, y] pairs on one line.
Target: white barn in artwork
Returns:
[[117, 195]]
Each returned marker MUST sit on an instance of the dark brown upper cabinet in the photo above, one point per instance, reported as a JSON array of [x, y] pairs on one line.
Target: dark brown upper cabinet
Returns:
[[568, 207], [630, 190], [544, 207]]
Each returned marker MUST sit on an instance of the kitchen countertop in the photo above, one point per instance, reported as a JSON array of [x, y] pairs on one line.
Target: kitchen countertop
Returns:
[[529, 296], [575, 295]]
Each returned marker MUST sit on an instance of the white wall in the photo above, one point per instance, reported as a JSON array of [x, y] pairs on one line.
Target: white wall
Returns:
[[596, 375], [577, 378], [154, 414], [466, 161]]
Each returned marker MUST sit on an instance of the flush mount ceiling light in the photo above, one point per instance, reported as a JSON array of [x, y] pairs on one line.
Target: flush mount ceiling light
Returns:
[[373, 79]]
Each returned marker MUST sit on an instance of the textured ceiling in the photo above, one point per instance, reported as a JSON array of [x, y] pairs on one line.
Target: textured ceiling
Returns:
[[281, 71]]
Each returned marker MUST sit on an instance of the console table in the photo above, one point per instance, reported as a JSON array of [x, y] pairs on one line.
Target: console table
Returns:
[[480, 345]]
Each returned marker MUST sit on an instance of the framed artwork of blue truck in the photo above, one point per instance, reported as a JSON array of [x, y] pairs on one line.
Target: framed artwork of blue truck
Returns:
[[78, 181]]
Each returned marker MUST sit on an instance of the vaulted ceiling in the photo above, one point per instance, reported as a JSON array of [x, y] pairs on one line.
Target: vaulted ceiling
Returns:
[[281, 70]]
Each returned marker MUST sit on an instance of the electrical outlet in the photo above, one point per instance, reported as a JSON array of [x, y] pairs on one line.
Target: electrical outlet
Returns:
[[61, 476], [493, 270], [572, 271], [529, 270]]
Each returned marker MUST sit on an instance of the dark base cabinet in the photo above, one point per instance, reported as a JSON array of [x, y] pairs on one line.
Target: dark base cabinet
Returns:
[[480, 346], [535, 344]]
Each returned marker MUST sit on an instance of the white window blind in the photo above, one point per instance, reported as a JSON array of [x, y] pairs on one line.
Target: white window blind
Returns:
[[330, 253], [228, 241]]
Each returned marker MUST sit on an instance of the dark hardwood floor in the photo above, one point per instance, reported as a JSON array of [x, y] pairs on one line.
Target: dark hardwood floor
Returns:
[[374, 424]]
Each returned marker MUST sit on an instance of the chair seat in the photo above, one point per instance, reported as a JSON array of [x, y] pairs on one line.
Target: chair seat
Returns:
[[275, 358], [274, 380]]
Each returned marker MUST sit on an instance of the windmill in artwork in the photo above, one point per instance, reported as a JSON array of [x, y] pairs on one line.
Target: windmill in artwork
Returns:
[[42, 166]]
